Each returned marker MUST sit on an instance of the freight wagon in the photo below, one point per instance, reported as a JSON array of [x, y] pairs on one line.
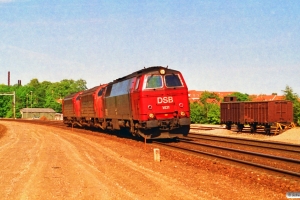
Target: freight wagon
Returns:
[[261, 113]]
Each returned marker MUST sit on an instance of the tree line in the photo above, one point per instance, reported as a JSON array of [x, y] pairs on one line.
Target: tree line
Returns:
[[206, 112], [46, 94], [37, 94]]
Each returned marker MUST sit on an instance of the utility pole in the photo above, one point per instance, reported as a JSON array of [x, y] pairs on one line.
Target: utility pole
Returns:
[[31, 98], [14, 93]]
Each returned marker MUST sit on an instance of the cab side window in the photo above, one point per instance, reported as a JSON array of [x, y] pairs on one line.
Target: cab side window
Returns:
[[100, 92], [137, 83]]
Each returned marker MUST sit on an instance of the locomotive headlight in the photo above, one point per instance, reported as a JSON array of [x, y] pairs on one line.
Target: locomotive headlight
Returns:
[[181, 105], [182, 114], [149, 107], [151, 116], [162, 71]]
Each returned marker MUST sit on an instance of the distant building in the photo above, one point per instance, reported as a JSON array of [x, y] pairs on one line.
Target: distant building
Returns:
[[194, 96], [37, 113], [58, 116], [264, 97]]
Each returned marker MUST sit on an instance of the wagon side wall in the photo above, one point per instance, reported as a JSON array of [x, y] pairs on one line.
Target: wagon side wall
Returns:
[[280, 111], [261, 113], [232, 112], [256, 112]]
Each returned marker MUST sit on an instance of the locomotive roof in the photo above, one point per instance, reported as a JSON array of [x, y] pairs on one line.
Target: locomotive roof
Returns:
[[70, 96], [146, 70], [91, 90]]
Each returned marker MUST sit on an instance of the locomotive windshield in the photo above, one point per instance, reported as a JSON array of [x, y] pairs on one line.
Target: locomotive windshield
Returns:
[[156, 81], [173, 80]]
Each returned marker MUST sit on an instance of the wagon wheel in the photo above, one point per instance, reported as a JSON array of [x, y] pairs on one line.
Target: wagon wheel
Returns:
[[228, 126], [253, 128], [268, 129], [240, 127]]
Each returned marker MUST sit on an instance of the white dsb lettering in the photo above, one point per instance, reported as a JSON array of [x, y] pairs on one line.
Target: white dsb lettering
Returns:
[[161, 100]]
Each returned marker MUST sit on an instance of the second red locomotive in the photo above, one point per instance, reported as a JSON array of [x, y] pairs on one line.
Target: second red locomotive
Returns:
[[151, 103]]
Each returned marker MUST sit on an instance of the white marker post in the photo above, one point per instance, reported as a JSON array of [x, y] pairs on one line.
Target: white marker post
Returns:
[[156, 154]]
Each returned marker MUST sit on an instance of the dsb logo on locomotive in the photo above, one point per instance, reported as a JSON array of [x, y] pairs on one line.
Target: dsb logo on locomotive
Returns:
[[161, 100]]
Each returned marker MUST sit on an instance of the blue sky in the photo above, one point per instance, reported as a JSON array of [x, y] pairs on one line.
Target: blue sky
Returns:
[[247, 46]]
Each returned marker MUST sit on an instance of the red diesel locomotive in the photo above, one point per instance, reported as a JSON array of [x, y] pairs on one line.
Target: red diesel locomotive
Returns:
[[151, 103], [71, 106]]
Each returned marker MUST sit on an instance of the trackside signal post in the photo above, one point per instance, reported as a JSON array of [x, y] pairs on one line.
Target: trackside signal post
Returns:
[[14, 100]]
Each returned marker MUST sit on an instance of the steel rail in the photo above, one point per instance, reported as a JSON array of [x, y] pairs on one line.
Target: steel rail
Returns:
[[281, 146], [246, 152], [231, 159]]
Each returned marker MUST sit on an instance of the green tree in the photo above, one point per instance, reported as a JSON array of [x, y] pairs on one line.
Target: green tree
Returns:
[[57, 91], [6, 106], [34, 83], [204, 112], [241, 97], [197, 113], [293, 97], [37, 95], [213, 115], [208, 95]]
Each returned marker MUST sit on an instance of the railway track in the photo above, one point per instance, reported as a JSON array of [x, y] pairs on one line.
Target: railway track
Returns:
[[281, 147], [281, 158], [273, 156], [246, 129]]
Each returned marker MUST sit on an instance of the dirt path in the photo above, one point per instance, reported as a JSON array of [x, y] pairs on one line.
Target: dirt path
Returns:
[[42, 163], [45, 164]]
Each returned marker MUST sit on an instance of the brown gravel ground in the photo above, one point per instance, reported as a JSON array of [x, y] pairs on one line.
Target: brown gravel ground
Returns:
[[42, 163]]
